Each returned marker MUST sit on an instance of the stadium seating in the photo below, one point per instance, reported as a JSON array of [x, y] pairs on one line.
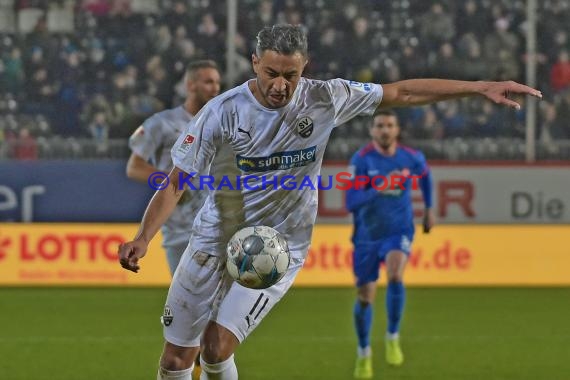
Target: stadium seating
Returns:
[[55, 57]]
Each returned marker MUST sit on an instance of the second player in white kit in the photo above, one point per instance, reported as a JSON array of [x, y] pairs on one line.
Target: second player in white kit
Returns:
[[151, 144]]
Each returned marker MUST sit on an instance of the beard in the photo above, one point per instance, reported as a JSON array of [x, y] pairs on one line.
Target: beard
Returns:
[[386, 142]]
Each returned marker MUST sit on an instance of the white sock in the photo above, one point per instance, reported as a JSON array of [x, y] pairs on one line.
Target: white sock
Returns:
[[364, 352], [392, 336], [164, 374], [225, 370]]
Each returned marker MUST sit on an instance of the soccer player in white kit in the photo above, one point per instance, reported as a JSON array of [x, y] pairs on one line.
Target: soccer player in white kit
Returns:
[[275, 125], [151, 144]]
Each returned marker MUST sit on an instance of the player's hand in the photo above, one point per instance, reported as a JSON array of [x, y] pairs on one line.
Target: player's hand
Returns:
[[499, 92], [130, 253], [429, 220]]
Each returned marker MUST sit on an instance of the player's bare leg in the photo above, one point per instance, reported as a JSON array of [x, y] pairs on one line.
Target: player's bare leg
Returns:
[[363, 321], [217, 353], [395, 300], [176, 362]]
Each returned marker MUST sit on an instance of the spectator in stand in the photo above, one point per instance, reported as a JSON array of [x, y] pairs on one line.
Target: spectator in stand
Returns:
[[329, 63], [473, 64], [470, 18], [99, 130], [484, 122], [560, 72], [453, 120], [563, 114], [430, 128], [257, 18], [40, 87], [437, 26], [161, 39], [503, 42], [159, 83], [506, 66], [25, 146], [446, 64], [413, 63], [98, 8], [178, 16], [3, 78], [549, 132], [14, 71], [359, 56], [210, 40]]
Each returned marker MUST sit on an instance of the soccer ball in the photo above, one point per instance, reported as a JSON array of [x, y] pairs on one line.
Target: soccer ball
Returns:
[[258, 257]]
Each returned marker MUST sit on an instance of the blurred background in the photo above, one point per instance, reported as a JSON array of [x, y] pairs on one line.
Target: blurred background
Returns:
[[67, 66], [78, 77]]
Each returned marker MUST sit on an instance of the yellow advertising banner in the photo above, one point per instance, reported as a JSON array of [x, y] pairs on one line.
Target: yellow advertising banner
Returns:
[[470, 255], [74, 254], [462, 255]]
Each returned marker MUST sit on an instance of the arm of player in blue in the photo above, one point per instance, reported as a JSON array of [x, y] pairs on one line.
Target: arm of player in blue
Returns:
[[426, 180], [356, 197]]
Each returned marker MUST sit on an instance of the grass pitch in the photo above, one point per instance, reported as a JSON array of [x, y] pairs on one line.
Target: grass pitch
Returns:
[[111, 333]]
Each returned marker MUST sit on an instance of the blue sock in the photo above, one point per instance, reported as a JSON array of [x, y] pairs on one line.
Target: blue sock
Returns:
[[395, 300], [363, 322]]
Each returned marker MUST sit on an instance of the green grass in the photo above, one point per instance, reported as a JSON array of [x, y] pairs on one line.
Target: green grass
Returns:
[[109, 333]]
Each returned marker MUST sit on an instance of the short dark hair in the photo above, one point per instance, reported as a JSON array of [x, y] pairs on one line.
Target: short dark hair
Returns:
[[385, 113], [284, 39], [194, 66]]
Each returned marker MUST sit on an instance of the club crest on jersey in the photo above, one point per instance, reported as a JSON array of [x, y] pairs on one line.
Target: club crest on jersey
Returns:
[[138, 135], [364, 86], [305, 126], [167, 316], [189, 139]]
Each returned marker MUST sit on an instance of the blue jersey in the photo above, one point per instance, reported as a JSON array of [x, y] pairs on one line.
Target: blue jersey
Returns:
[[382, 213]]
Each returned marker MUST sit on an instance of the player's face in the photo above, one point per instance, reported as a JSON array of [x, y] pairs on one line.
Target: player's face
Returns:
[[277, 77], [205, 83], [385, 130]]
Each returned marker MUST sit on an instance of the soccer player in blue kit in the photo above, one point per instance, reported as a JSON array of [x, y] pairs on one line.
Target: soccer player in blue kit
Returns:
[[384, 229]]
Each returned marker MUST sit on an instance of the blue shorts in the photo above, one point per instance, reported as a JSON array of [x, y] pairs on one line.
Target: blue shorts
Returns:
[[367, 257]]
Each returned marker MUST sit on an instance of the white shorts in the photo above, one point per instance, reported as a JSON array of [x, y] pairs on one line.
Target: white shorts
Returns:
[[202, 290]]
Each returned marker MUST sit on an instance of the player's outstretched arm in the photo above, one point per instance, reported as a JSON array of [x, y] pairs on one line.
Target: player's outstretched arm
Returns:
[[157, 212], [415, 92]]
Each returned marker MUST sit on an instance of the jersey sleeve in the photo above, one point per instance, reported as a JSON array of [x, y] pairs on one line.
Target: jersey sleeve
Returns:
[[355, 198], [351, 98], [426, 181], [147, 138], [196, 147]]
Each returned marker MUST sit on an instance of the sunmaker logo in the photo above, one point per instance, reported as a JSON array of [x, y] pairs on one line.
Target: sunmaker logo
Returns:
[[277, 161]]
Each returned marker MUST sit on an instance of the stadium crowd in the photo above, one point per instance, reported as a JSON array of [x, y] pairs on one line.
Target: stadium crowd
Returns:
[[97, 68]]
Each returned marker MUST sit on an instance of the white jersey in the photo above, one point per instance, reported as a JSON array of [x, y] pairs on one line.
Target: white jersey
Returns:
[[268, 143], [153, 141]]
